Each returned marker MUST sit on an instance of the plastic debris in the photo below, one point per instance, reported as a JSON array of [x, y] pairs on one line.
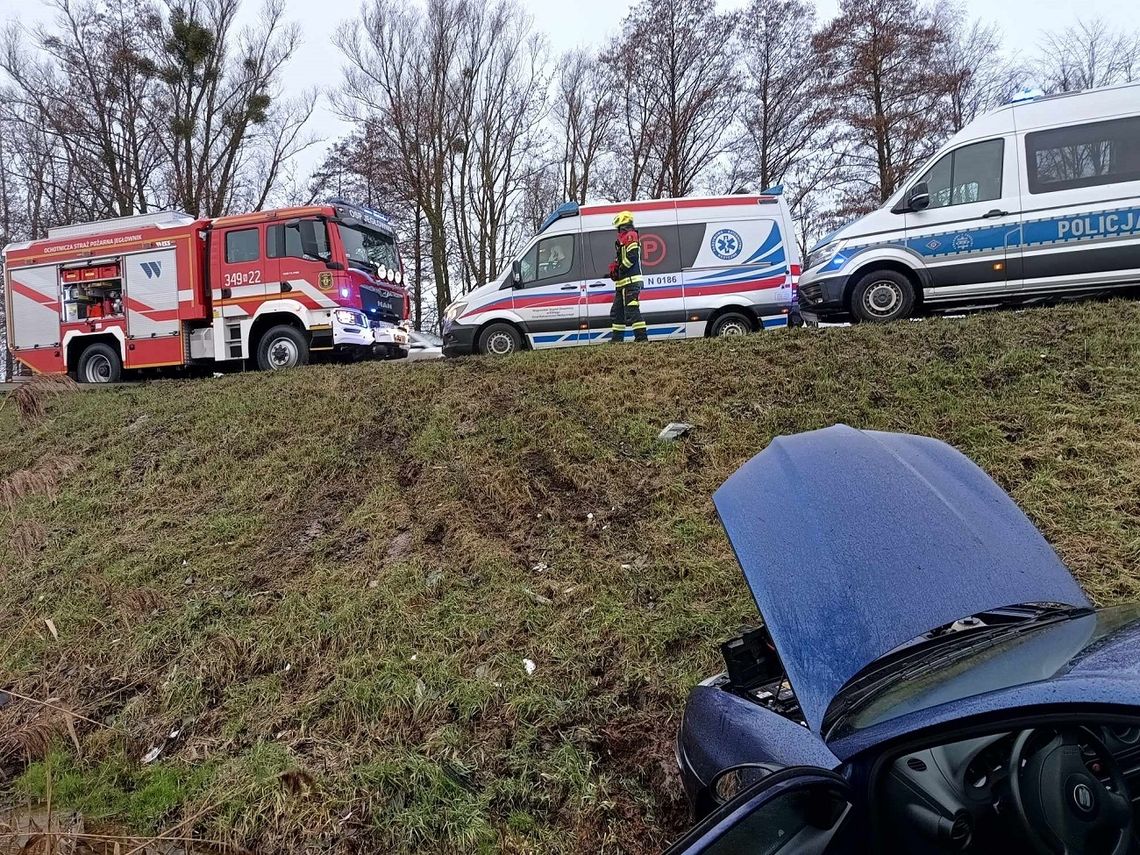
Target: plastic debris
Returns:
[[675, 430], [529, 666]]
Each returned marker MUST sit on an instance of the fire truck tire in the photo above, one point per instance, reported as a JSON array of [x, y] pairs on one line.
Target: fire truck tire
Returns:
[[99, 363], [282, 347]]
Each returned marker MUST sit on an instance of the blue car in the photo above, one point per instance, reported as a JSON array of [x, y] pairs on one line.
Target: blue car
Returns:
[[929, 676]]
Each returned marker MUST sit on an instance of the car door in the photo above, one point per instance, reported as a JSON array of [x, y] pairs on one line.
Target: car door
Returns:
[[550, 295], [796, 811], [969, 236]]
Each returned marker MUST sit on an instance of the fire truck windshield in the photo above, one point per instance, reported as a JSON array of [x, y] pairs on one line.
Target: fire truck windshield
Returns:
[[367, 249]]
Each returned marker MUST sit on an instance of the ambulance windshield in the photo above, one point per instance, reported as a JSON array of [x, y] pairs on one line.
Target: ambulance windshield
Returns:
[[368, 249]]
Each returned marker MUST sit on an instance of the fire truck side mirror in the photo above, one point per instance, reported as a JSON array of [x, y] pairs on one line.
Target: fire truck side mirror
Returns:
[[334, 265], [516, 273]]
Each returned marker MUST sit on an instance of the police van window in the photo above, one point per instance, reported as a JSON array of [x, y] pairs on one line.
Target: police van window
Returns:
[[241, 246], [1083, 155], [972, 173], [548, 260]]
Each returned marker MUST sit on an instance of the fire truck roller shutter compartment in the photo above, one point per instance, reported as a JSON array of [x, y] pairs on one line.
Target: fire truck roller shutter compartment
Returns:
[[35, 306], [151, 294]]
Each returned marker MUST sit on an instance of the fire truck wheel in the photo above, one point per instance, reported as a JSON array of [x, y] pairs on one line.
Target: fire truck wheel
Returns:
[[500, 339], [282, 347], [99, 364]]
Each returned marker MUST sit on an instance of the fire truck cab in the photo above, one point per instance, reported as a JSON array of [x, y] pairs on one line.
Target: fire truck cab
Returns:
[[167, 289]]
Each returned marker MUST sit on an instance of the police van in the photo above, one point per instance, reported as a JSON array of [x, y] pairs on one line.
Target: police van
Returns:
[[712, 267], [1037, 200]]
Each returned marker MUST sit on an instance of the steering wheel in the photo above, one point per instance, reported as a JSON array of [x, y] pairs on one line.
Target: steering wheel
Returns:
[[1062, 806]]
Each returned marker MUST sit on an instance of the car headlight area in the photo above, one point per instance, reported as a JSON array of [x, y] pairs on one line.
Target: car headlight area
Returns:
[[349, 318], [823, 255]]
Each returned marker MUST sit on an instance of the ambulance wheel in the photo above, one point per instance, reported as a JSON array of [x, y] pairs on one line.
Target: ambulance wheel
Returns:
[[282, 347], [881, 296], [99, 364], [731, 323], [500, 340]]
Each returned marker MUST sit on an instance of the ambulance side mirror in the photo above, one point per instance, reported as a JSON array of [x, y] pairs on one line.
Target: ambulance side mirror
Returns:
[[516, 274]]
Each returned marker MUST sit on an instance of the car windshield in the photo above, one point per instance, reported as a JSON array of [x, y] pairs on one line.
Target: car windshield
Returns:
[[368, 249], [991, 660]]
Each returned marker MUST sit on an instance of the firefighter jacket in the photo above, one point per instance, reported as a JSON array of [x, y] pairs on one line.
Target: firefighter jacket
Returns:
[[628, 264]]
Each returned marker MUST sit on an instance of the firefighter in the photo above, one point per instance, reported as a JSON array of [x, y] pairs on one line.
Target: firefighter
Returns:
[[626, 273]]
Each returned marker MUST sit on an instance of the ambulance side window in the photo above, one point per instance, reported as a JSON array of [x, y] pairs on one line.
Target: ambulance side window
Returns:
[[242, 246], [550, 261], [600, 252]]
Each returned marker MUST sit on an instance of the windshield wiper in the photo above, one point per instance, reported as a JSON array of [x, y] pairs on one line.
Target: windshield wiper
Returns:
[[943, 648]]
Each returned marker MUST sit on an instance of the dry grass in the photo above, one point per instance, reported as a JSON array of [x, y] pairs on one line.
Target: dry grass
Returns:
[[327, 581], [31, 398]]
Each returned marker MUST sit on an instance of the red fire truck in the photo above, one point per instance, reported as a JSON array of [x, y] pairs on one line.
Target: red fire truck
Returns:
[[167, 289]]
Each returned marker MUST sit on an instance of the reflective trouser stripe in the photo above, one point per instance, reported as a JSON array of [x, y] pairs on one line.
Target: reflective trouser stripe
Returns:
[[619, 327], [639, 325], [635, 280]]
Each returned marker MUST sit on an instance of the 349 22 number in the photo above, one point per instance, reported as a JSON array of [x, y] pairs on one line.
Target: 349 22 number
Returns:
[[245, 277]]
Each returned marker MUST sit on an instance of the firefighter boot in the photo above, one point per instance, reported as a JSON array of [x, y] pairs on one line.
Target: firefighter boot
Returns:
[[639, 333], [618, 335]]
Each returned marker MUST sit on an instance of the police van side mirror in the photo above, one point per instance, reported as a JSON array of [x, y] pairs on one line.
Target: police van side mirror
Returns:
[[919, 197], [516, 274]]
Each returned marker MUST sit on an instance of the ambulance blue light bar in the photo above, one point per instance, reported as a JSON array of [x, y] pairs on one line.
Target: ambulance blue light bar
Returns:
[[569, 209]]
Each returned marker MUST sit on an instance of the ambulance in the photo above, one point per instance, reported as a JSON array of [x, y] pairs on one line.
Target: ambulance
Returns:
[[714, 266]]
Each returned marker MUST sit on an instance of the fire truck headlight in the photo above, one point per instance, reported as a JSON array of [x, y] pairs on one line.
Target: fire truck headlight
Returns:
[[382, 273], [348, 318], [399, 278]]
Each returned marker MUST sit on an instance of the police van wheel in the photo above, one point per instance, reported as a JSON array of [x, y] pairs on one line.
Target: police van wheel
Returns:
[[881, 296], [732, 323], [99, 364], [282, 347], [500, 340]]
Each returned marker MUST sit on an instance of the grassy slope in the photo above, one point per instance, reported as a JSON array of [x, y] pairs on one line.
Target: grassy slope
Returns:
[[332, 576]]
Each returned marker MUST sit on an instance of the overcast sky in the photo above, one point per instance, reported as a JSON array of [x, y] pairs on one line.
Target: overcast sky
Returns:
[[572, 23]]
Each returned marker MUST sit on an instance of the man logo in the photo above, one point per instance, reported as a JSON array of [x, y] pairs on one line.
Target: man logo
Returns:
[[325, 281], [152, 269]]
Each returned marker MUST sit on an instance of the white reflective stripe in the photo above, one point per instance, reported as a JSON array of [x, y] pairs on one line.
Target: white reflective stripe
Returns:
[[309, 290], [185, 296]]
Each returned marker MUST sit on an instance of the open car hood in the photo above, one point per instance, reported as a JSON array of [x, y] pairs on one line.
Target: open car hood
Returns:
[[855, 542]]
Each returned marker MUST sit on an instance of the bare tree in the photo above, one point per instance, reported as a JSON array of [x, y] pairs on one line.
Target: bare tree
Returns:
[[86, 86], [1086, 55], [979, 75], [890, 92], [401, 75], [675, 68], [786, 119], [584, 107], [500, 107], [219, 84]]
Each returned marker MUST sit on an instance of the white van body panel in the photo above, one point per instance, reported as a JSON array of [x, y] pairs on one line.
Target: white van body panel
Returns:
[[700, 257], [1061, 235]]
